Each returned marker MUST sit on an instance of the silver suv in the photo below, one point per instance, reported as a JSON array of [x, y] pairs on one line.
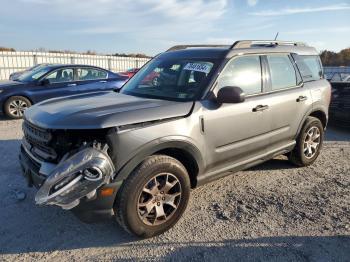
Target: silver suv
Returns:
[[191, 115]]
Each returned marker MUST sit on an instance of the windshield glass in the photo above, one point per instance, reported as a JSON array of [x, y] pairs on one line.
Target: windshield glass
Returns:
[[33, 75], [171, 79]]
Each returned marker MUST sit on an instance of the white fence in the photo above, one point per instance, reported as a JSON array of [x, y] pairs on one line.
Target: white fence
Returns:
[[17, 61]]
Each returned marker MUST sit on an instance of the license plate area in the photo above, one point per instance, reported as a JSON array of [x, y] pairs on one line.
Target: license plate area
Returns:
[[31, 171]]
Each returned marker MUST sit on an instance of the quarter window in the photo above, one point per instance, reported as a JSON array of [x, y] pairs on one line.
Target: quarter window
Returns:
[[282, 72], [309, 66], [243, 72], [85, 74]]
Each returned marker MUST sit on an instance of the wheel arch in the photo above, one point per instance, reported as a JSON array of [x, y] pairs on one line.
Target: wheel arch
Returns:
[[321, 115], [315, 112], [185, 152]]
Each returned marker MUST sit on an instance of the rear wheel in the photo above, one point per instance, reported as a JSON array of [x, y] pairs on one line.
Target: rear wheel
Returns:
[[15, 106], [309, 143], [153, 197]]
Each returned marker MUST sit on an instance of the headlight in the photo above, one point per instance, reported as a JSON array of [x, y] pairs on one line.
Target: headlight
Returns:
[[1, 91]]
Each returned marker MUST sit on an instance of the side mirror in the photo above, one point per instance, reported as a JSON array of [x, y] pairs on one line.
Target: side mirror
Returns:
[[45, 82], [230, 94]]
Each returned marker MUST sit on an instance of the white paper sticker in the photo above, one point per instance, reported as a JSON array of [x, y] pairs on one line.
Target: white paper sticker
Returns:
[[199, 67]]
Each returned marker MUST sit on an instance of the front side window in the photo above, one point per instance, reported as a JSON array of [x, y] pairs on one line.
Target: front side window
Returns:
[[243, 72], [309, 66], [61, 76], [282, 72], [85, 74], [178, 79]]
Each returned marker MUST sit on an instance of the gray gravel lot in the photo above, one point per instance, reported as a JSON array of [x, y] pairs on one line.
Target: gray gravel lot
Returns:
[[273, 212]]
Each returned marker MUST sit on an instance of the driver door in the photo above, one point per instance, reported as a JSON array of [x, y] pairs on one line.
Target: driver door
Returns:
[[236, 133], [61, 83]]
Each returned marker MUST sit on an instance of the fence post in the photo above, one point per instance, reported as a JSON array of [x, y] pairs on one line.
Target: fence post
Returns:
[[72, 60], [109, 61], [137, 63], [35, 59]]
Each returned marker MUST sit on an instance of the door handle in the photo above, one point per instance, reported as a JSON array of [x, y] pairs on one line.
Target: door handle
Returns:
[[301, 98], [72, 84], [103, 81], [260, 108]]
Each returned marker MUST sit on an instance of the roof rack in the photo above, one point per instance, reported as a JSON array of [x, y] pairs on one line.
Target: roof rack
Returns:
[[180, 47], [263, 43], [242, 44]]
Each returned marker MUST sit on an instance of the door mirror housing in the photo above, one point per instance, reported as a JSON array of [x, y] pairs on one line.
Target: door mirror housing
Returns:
[[45, 82], [230, 95]]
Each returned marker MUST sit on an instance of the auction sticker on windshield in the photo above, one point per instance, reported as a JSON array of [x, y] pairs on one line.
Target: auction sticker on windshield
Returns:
[[199, 67]]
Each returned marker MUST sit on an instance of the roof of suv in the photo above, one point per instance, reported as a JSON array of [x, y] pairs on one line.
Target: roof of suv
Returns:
[[241, 47]]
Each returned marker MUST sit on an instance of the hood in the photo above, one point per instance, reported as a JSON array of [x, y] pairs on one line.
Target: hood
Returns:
[[102, 110], [4, 84], [15, 75]]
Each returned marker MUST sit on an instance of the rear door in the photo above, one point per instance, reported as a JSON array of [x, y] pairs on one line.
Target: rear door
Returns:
[[289, 100], [91, 79]]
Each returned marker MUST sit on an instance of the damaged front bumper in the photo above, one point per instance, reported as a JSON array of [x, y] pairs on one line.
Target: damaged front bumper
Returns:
[[75, 179]]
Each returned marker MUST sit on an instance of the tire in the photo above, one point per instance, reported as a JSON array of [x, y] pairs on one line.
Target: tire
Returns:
[[301, 154], [133, 202], [15, 106]]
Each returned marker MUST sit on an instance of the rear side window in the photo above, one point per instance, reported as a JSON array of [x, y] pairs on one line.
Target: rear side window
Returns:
[[282, 72], [309, 66], [85, 74], [243, 72]]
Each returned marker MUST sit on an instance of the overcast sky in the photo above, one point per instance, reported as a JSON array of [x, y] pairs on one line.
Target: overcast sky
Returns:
[[151, 26]]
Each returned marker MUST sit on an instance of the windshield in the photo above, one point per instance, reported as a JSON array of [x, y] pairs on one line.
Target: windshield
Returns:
[[33, 75], [171, 79]]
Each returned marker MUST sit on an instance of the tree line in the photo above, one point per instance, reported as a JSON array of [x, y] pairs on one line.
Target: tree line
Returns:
[[328, 58]]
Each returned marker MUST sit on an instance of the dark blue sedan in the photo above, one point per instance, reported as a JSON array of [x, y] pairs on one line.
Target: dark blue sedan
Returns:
[[54, 81]]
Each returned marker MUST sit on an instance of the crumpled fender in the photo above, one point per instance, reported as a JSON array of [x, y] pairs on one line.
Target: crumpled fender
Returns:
[[76, 177]]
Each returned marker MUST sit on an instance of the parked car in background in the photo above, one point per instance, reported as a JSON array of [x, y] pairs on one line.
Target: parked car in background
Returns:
[[152, 78], [346, 79], [16, 75], [339, 110], [340, 77], [130, 72], [51, 81]]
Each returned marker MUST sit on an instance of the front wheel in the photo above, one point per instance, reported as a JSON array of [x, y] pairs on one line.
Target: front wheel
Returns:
[[153, 198], [309, 143], [15, 106]]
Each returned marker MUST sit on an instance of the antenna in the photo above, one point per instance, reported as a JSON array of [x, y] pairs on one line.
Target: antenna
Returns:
[[276, 36]]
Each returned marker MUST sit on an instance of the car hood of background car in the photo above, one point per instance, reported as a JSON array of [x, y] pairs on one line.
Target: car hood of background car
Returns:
[[102, 110], [8, 84]]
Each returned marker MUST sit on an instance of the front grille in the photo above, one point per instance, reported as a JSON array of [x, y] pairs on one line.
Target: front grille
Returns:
[[39, 139], [36, 133]]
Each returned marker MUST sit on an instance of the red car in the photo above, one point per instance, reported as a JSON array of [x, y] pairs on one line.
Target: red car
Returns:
[[130, 72], [152, 78]]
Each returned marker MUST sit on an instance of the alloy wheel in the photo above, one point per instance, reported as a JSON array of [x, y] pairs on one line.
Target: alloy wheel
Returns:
[[17, 107], [312, 142], [159, 199]]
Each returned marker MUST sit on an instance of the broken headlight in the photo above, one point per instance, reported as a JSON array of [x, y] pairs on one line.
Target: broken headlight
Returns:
[[76, 177]]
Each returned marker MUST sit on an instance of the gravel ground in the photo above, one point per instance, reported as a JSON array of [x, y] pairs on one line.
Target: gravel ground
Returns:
[[273, 212]]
